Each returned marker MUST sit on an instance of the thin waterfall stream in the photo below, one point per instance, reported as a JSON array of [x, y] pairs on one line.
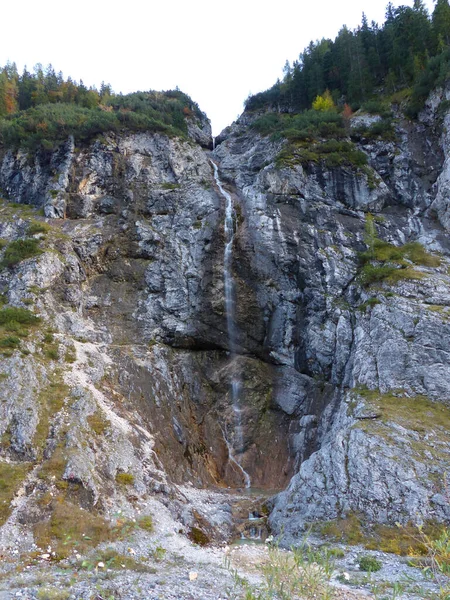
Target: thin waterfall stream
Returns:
[[230, 309]]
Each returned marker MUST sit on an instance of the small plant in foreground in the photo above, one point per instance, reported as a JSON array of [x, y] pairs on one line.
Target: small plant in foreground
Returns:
[[303, 573], [439, 556], [369, 563]]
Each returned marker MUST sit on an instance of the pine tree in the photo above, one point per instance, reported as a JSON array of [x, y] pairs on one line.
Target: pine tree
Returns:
[[441, 22]]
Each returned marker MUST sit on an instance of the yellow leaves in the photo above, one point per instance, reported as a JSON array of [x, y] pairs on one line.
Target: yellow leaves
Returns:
[[324, 103]]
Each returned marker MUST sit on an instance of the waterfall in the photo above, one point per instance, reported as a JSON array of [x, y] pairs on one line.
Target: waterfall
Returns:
[[230, 309]]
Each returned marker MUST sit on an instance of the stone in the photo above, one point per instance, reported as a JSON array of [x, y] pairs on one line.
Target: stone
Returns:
[[130, 290]]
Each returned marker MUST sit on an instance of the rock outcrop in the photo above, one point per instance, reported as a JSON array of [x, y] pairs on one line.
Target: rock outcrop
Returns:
[[377, 445], [123, 388]]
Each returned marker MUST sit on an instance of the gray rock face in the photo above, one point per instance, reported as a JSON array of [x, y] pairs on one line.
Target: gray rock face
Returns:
[[441, 202], [319, 319], [344, 385]]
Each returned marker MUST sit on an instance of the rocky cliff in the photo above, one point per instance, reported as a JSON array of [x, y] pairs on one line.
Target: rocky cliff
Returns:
[[122, 385]]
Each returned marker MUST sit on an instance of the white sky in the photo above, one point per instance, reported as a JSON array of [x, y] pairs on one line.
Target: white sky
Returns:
[[217, 52]]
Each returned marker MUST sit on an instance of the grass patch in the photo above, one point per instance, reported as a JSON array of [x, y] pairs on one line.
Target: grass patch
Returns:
[[379, 273], [418, 413], [436, 308], [348, 529], [145, 522], [370, 303], [11, 478], [53, 468], [427, 421], [113, 560], [100, 425], [158, 553], [70, 527], [17, 315], [67, 527], [52, 353], [38, 227], [71, 355], [331, 153], [170, 186], [51, 400], [125, 478], [15, 324], [302, 573], [20, 250], [405, 540], [52, 594], [10, 341], [382, 261]]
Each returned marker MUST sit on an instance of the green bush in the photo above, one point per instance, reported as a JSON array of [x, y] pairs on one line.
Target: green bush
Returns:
[[145, 522], [331, 153], [376, 107], [19, 250], [369, 563], [18, 315], [393, 262], [11, 341], [308, 125], [416, 253], [381, 130], [52, 353], [38, 227], [47, 125], [125, 478], [436, 72]]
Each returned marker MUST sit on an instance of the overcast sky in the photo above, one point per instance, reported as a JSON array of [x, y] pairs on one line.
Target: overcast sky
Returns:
[[217, 52]]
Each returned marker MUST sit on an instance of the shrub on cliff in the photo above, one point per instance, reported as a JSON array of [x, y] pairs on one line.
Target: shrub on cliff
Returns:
[[19, 250], [383, 261], [46, 125]]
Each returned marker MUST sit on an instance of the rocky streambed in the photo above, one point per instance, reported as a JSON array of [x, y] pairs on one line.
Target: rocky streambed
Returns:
[[165, 564]]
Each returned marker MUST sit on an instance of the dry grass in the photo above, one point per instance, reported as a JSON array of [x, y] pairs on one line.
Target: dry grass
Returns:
[[417, 413], [51, 400], [125, 478], [69, 527], [99, 425], [405, 540], [11, 478], [383, 261]]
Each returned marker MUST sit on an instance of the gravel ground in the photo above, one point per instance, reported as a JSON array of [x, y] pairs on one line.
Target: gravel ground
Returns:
[[167, 566]]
